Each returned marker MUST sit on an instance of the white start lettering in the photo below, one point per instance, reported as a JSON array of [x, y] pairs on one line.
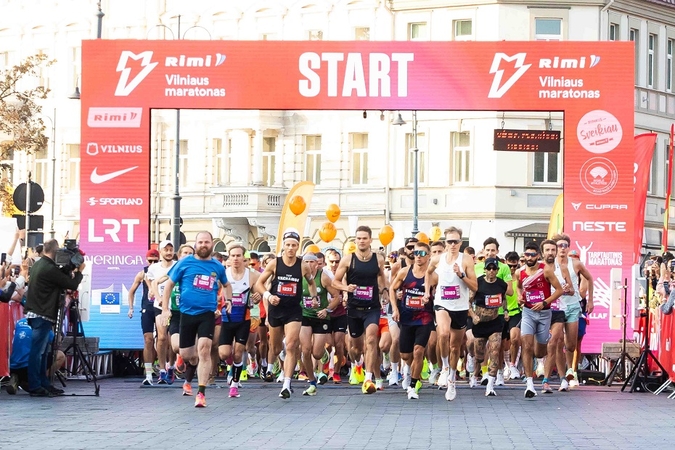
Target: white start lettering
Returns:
[[591, 226], [112, 228]]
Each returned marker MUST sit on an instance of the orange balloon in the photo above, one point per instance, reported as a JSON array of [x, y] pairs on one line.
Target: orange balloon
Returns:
[[351, 247], [327, 232], [333, 212], [435, 233], [313, 248], [386, 235], [422, 237], [297, 205]]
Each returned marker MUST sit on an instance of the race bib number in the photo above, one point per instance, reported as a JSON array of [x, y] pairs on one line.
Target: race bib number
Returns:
[[450, 292], [203, 282], [287, 289], [308, 302], [238, 300], [534, 296], [493, 301], [414, 302], [363, 293]]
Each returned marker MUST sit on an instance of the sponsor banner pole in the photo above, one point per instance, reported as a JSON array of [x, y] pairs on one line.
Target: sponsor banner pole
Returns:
[[644, 151], [669, 188]]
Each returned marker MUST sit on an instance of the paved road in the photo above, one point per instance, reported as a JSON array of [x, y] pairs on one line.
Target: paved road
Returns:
[[339, 417]]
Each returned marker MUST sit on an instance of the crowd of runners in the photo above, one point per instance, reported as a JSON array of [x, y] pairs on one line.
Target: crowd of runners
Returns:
[[430, 315]]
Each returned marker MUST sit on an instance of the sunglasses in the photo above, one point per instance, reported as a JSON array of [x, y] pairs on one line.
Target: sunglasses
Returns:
[[480, 258], [563, 245], [410, 247], [491, 268], [452, 241], [153, 260], [513, 266], [421, 253], [530, 255]]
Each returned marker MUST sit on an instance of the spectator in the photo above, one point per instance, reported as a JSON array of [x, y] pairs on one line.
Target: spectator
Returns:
[[42, 303]]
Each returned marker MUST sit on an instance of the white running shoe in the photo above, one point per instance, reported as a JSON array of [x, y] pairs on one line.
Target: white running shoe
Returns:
[[470, 363], [443, 378], [564, 386], [574, 384], [500, 379], [529, 390], [451, 393], [412, 395], [540, 368], [379, 385], [484, 380], [406, 382], [490, 388], [515, 373], [433, 376], [506, 372], [473, 381], [393, 378]]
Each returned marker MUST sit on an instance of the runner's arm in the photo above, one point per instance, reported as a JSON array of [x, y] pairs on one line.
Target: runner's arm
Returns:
[[551, 278], [470, 275], [428, 276], [381, 278], [395, 285], [336, 298], [509, 288], [584, 272], [340, 273], [255, 296], [166, 297], [266, 275], [132, 290], [311, 284]]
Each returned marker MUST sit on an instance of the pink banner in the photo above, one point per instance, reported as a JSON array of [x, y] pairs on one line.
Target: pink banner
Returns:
[[644, 150]]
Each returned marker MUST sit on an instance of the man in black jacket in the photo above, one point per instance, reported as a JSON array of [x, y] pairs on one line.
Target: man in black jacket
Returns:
[[47, 282]]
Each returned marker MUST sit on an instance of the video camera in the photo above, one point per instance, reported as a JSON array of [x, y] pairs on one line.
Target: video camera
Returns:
[[69, 257]]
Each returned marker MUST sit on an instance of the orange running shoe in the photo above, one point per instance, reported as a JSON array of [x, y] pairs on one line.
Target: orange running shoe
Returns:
[[187, 389], [200, 401]]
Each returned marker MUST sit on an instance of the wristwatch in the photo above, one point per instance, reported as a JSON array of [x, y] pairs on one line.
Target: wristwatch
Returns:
[[462, 275]]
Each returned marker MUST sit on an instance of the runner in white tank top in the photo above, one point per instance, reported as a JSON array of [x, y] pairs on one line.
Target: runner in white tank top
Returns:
[[452, 292]]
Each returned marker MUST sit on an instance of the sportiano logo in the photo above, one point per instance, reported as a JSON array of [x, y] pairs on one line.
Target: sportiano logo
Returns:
[[130, 61]]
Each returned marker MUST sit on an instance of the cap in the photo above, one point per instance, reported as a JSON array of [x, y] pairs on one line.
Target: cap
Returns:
[[492, 261], [574, 254], [291, 233], [309, 257], [164, 243], [411, 239], [152, 253]]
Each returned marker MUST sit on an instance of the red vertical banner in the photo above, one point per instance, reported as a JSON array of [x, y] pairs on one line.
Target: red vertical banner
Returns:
[[644, 151], [669, 188]]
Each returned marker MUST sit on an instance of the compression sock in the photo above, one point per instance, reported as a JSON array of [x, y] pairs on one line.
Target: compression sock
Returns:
[[202, 389], [190, 372], [237, 371]]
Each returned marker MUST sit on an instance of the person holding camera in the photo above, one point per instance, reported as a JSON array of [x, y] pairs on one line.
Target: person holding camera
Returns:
[[42, 303]]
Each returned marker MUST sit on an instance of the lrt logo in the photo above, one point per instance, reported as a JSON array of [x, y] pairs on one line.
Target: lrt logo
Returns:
[[497, 90], [126, 86]]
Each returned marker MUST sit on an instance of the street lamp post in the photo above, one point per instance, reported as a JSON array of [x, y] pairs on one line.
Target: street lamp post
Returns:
[[52, 231], [399, 121], [175, 220]]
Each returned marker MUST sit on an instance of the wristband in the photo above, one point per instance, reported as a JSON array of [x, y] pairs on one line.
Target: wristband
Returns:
[[267, 295], [328, 310]]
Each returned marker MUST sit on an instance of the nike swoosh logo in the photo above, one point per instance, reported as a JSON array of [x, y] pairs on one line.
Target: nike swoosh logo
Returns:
[[98, 179]]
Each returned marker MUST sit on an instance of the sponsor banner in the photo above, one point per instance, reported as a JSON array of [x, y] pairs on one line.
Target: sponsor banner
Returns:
[[123, 79], [644, 150]]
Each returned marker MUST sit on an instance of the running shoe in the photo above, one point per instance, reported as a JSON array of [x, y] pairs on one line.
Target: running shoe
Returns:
[[470, 364], [162, 377], [529, 390], [234, 392], [484, 380], [490, 388], [360, 374], [280, 378], [393, 378], [500, 379], [252, 367], [269, 377], [443, 378], [570, 375], [506, 372], [564, 386], [540, 368], [352, 376], [418, 386], [473, 381], [433, 376], [412, 394], [170, 375], [574, 383], [336, 378], [514, 372], [310, 391], [406, 382], [262, 372], [285, 393], [180, 364], [187, 389], [451, 393], [322, 378], [386, 362], [379, 384], [200, 400], [302, 376], [425, 370], [13, 384], [368, 387], [546, 388], [147, 382], [244, 375]]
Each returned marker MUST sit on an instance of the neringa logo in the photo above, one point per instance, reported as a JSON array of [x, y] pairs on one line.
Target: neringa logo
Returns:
[[130, 62]]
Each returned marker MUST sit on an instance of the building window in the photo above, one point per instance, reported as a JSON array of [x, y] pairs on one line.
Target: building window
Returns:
[[73, 152], [75, 67], [547, 29], [183, 157], [417, 31], [7, 166], [410, 158], [40, 175], [222, 155], [268, 160], [650, 60], [359, 144], [43, 76], [313, 159], [545, 167], [463, 29], [461, 157], [4, 60], [669, 66], [315, 35], [362, 33], [634, 35], [613, 32]]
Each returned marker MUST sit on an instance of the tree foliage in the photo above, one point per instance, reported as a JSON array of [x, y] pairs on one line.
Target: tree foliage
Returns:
[[21, 128]]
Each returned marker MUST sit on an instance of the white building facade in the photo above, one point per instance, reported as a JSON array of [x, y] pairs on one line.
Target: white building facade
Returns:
[[236, 167]]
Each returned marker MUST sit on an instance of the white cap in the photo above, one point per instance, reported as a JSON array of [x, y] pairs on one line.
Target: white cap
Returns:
[[164, 243], [291, 233]]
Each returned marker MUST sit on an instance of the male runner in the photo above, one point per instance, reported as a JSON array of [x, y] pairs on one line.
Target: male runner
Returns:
[[433, 354], [156, 271], [535, 280], [147, 315], [365, 282], [236, 314], [453, 275], [316, 329], [414, 313], [338, 318], [285, 312], [512, 326], [200, 278]]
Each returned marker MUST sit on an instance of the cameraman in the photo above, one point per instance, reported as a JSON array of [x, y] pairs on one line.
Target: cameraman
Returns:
[[42, 302]]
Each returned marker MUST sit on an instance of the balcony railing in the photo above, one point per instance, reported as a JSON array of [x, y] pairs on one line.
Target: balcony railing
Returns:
[[655, 102]]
